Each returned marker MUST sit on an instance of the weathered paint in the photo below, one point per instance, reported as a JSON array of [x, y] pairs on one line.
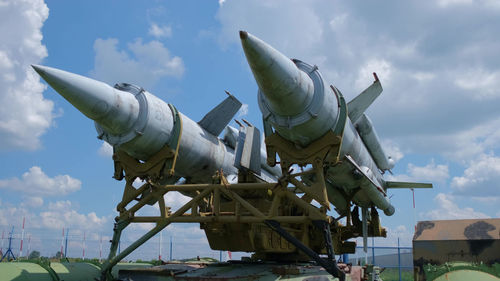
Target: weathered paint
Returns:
[[444, 241], [242, 271]]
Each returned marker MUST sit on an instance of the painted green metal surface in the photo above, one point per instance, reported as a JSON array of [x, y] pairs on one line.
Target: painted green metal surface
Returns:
[[125, 265], [458, 271], [76, 271], [467, 275], [67, 271], [21, 271]]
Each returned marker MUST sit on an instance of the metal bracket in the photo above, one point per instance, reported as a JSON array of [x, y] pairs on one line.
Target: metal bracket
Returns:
[[330, 265], [158, 165]]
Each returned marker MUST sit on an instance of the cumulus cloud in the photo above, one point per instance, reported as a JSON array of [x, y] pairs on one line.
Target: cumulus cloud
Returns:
[[175, 200], [55, 215], [106, 150], [485, 84], [432, 172], [243, 110], [393, 150], [26, 114], [143, 63], [447, 209], [400, 232], [468, 3], [365, 74], [36, 182], [33, 201], [63, 214], [480, 179], [160, 31], [293, 33]]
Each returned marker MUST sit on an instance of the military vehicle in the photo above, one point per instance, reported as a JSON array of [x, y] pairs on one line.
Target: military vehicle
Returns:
[[467, 249], [319, 151]]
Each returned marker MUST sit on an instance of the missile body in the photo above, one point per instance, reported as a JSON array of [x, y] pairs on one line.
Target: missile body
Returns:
[[137, 122], [301, 108]]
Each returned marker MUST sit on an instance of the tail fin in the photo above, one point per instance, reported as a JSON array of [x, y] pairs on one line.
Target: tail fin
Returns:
[[217, 119], [401, 184], [358, 105]]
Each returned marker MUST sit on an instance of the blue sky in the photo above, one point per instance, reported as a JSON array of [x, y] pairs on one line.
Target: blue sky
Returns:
[[438, 115]]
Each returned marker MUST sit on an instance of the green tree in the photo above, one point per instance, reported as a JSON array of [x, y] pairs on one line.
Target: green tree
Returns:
[[34, 255]]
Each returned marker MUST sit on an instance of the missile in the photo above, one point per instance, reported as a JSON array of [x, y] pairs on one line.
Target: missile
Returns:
[[135, 121], [301, 108]]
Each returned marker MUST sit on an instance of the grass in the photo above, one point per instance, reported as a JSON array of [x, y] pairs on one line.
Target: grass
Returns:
[[392, 274]]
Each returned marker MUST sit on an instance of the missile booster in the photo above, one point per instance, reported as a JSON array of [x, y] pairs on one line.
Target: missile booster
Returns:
[[135, 121], [301, 108]]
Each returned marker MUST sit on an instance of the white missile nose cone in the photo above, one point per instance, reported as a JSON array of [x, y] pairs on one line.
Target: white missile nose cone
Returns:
[[286, 88], [38, 68], [89, 96], [243, 35], [42, 71], [113, 109]]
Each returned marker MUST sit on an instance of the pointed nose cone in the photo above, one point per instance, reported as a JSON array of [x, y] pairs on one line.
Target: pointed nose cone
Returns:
[[113, 109], [287, 89]]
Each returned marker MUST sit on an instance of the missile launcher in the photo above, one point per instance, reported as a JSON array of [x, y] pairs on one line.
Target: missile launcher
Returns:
[[246, 197]]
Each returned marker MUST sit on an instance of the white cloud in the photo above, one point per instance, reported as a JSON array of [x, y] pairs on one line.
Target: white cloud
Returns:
[[55, 215], [294, 34], [106, 150], [338, 21], [160, 31], [485, 84], [365, 73], [392, 149], [400, 232], [243, 110], [62, 214], [468, 3], [432, 172], [447, 209], [461, 146], [36, 182], [175, 200], [26, 114], [33, 201], [446, 3], [480, 179], [424, 76], [143, 64]]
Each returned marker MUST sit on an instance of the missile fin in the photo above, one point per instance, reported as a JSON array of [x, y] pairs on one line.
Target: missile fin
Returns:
[[358, 105], [400, 184], [218, 118], [360, 170], [247, 153], [364, 218]]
